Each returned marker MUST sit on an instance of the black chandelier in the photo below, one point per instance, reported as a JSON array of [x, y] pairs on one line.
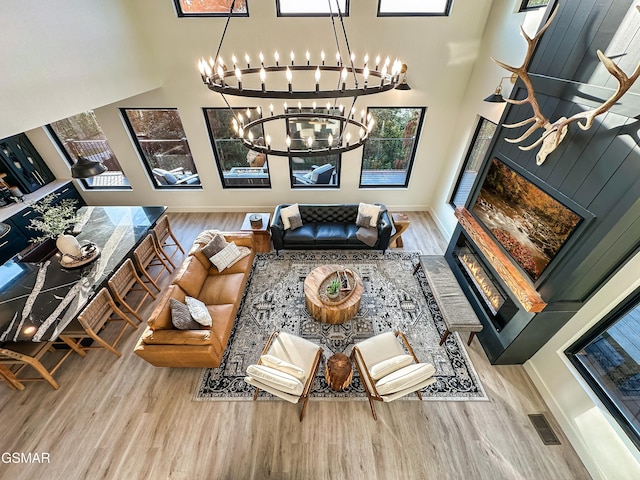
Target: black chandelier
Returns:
[[315, 79]]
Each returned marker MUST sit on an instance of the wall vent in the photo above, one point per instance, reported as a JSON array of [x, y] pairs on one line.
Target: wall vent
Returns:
[[543, 428]]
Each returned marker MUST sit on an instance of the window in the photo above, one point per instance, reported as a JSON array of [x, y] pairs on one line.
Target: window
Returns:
[[408, 8], [313, 172], [531, 4], [472, 162], [608, 357], [210, 8], [311, 8], [238, 166], [81, 136], [388, 155], [163, 147]]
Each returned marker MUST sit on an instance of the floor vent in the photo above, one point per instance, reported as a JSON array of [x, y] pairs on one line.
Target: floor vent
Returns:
[[543, 428]]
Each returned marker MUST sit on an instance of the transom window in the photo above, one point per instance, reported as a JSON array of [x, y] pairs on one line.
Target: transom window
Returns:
[[162, 146], [407, 8], [531, 4], [210, 8], [81, 136], [387, 157], [311, 8], [608, 357], [238, 166], [472, 162], [313, 172]]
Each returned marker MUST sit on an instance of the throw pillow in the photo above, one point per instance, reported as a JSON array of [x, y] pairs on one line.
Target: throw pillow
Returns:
[[363, 220], [181, 317], [288, 212], [406, 377], [295, 221], [244, 252], [279, 380], [286, 367], [226, 256], [216, 245], [371, 210], [390, 365], [198, 311]]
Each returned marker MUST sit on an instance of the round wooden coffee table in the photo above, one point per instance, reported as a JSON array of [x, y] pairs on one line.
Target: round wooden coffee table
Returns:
[[321, 308]]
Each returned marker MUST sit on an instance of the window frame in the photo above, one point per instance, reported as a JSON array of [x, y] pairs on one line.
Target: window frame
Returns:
[[615, 314], [445, 13], [345, 13], [525, 7], [214, 148], [141, 155], [423, 114], [182, 14], [53, 136], [479, 124]]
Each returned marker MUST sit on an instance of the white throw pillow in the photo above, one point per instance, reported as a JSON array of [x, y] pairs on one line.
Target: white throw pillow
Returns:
[[390, 365], [198, 311], [406, 377], [275, 378], [370, 210], [227, 256], [287, 212], [286, 367]]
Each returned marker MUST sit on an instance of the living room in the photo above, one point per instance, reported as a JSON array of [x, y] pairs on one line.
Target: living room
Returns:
[[72, 57]]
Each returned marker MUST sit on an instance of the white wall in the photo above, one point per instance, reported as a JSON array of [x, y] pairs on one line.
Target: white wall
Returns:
[[501, 40], [598, 439], [440, 52], [61, 57]]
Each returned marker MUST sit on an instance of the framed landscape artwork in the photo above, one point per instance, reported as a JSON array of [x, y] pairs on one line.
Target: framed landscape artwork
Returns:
[[530, 224]]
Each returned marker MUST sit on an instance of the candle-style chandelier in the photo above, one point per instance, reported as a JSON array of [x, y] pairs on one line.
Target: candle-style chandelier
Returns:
[[316, 78]]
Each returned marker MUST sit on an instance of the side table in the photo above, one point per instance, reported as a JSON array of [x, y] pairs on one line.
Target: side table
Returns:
[[338, 372], [400, 223], [262, 234]]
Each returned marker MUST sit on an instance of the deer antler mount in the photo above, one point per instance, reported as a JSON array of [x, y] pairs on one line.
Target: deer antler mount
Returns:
[[556, 131]]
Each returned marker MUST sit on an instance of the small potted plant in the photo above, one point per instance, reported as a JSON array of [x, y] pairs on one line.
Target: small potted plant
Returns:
[[54, 221], [333, 288]]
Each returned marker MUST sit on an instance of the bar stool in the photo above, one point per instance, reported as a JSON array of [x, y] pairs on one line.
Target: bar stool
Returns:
[[166, 241], [92, 320], [17, 356], [126, 281], [148, 257]]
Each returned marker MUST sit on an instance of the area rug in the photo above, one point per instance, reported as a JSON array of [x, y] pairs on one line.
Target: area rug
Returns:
[[394, 298]]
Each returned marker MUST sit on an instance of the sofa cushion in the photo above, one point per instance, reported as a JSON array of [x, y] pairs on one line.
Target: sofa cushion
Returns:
[[331, 233], [219, 289], [389, 365], [274, 362], [181, 317], [305, 235], [191, 276], [198, 311], [405, 378], [279, 380]]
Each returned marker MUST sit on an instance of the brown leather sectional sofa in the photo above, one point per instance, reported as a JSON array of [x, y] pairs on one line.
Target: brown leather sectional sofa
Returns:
[[164, 346]]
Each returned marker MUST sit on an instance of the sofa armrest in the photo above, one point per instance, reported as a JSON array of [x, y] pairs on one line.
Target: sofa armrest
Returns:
[[277, 228], [244, 239], [385, 226]]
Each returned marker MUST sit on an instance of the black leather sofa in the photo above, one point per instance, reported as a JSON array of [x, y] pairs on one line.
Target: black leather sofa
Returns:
[[325, 227]]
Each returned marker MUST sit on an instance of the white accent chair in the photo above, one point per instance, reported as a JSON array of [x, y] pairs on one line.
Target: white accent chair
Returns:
[[286, 369], [387, 371]]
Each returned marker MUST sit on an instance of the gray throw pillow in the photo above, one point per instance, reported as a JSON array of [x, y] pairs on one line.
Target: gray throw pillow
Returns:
[[216, 245], [363, 220], [295, 221], [181, 317]]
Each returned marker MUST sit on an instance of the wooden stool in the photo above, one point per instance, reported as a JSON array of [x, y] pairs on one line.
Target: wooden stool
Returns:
[[338, 372], [400, 223]]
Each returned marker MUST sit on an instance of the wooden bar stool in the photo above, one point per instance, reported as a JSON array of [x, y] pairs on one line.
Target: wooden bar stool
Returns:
[[93, 319], [126, 281], [147, 258], [20, 355], [166, 241]]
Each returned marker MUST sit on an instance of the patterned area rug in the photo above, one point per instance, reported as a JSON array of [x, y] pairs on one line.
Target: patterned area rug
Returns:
[[393, 299]]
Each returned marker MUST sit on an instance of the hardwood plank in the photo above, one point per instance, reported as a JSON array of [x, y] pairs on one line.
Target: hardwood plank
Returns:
[[123, 418]]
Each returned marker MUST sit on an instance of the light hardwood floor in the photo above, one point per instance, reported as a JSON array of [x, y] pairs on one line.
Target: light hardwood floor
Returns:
[[125, 419]]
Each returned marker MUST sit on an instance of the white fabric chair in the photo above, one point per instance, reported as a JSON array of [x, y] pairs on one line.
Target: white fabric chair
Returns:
[[286, 369], [387, 371]]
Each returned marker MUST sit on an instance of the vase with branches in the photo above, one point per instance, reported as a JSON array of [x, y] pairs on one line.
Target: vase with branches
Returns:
[[54, 221]]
